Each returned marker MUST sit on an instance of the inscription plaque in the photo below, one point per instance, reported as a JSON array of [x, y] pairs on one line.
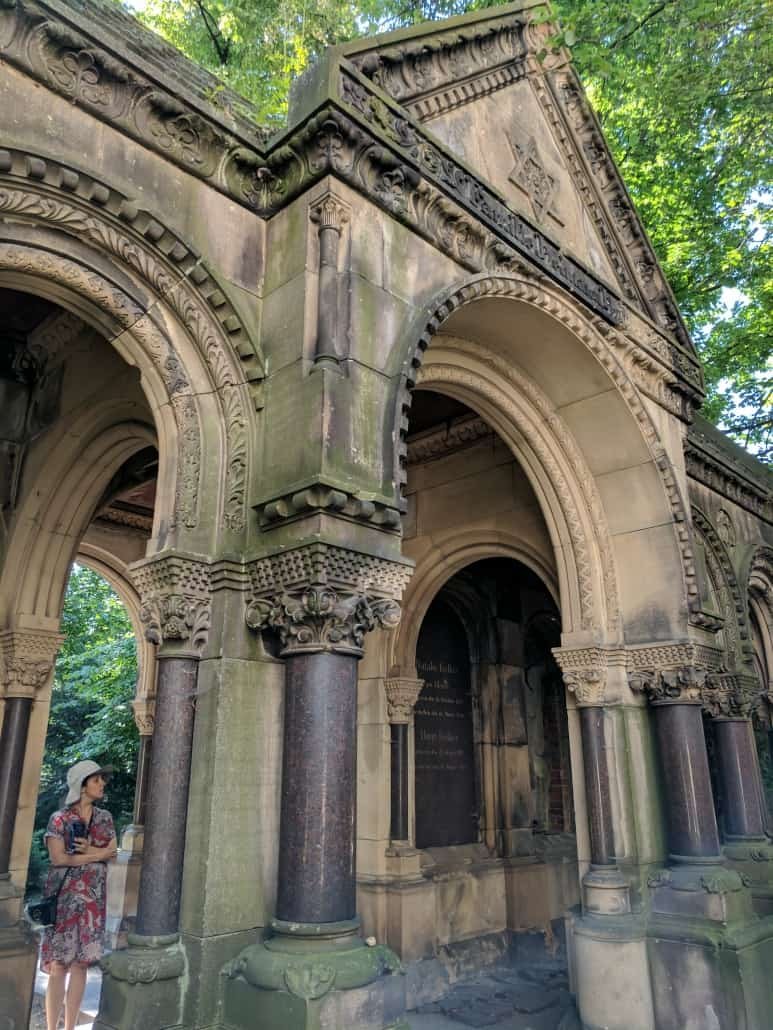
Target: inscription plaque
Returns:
[[445, 766]]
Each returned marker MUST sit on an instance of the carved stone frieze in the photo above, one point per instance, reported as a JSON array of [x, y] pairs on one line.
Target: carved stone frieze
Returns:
[[26, 660], [430, 77], [175, 595], [402, 694], [325, 598], [436, 443], [615, 216], [724, 471]]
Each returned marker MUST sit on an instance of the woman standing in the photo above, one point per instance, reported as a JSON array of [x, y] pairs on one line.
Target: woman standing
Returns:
[[81, 839]]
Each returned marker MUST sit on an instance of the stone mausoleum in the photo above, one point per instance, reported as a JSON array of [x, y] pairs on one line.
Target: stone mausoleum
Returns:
[[455, 618]]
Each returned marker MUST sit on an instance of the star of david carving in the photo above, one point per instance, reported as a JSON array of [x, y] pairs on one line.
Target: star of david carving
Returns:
[[530, 174]]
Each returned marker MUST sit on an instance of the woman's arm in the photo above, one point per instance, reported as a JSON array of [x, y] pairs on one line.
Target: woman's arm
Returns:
[[58, 855], [106, 854]]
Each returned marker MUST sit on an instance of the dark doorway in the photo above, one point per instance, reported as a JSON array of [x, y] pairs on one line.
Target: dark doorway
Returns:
[[446, 809]]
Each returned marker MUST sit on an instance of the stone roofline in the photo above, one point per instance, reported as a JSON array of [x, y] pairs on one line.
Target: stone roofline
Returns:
[[714, 460], [148, 91]]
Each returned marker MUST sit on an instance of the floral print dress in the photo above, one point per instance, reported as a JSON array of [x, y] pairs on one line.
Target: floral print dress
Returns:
[[77, 935]]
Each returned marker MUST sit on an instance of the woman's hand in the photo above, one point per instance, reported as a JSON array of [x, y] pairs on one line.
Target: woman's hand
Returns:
[[94, 854]]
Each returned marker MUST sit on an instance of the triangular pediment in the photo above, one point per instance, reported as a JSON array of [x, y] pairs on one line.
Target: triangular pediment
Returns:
[[524, 124]]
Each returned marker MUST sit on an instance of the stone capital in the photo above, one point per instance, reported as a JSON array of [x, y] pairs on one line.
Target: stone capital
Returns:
[[325, 598], [144, 709], [683, 685], [402, 694], [176, 602], [329, 213], [729, 696], [584, 671], [26, 660]]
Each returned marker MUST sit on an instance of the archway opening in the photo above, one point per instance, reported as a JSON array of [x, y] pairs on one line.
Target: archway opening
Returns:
[[491, 731]]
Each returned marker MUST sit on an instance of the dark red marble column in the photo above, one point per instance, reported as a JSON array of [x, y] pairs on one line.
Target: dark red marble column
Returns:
[[13, 743], [398, 823], [689, 803], [143, 776], [158, 909], [597, 792], [317, 829], [739, 776]]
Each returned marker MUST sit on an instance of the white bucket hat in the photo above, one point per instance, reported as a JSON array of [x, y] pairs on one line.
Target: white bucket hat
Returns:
[[80, 772]]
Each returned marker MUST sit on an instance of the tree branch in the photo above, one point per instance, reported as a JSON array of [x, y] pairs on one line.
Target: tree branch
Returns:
[[219, 42]]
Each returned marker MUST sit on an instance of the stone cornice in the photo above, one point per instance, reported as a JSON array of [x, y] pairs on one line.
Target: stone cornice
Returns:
[[437, 443], [716, 467]]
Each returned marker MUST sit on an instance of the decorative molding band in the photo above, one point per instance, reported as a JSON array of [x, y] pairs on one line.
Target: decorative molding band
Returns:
[[419, 157], [175, 594], [437, 443], [715, 468], [402, 694], [325, 598], [672, 655], [319, 498], [26, 661]]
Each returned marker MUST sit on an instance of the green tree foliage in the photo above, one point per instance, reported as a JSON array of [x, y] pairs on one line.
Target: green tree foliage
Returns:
[[683, 90], [91, 716]]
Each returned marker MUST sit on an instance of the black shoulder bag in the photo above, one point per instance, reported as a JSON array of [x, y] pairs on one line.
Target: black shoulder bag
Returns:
[[44, 912]]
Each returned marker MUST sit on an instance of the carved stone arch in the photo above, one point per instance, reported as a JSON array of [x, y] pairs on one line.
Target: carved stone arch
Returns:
[[450, 555], [553, 463], [729, 594], [613, 352], [148, 283], [116, 573], [57, 509], [759, 591]]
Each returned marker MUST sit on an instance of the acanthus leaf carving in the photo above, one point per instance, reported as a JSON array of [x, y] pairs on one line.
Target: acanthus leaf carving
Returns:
[[175, 602], [26, 661]]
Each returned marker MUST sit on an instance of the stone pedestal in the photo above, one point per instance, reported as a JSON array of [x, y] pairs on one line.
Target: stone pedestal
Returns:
[[123, 884]]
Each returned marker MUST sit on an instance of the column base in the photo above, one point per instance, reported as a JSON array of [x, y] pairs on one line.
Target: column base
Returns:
[[18, 958], [314, 977], [606, 891], [709, 892], [143, 985]]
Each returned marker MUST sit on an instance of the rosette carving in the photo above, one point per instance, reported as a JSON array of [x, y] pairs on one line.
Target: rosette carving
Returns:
[[175, 592]]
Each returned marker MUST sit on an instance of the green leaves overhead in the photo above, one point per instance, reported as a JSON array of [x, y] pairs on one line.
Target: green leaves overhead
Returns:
[[683, 89]]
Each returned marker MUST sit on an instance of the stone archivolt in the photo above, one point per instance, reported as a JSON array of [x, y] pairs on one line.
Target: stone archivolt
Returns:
[[324, 598], [46, 193], [594, 338], [175, 594], [533, 416], [26, 661]]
